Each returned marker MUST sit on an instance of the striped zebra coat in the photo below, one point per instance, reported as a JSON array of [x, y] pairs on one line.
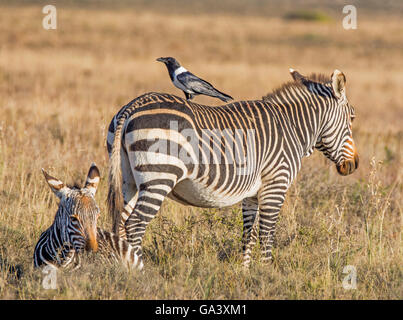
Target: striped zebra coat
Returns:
[[248, 151], [74, 229]]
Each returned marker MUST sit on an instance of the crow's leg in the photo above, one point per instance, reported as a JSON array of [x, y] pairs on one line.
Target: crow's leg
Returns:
[[188, 96]]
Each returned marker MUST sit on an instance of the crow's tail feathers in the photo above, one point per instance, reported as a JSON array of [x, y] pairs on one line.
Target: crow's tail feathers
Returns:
[[224, 97]]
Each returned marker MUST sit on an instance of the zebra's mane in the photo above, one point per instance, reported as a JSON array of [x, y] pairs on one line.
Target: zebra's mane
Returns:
[[318, 78]]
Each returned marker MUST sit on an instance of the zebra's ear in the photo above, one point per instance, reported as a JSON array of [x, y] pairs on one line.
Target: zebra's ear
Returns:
[[93, 178], [338, 83], [295, 74], [57, 186], [298, 77]]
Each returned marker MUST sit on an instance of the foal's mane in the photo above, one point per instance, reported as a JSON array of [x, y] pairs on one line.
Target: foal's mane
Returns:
[[75, 185]]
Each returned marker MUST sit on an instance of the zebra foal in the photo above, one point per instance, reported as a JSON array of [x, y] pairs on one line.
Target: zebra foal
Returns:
[[161, 146], [74, 229]]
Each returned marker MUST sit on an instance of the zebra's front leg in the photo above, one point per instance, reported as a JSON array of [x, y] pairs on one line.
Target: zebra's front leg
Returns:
[[271, 199], [249, 211], [148, 203], [70, 258], [77, 261]]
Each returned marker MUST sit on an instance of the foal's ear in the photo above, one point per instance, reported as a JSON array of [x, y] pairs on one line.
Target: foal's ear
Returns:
[[93, 178], [338, 83], [57, 186]]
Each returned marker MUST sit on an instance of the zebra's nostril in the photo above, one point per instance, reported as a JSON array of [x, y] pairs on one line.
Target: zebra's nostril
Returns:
[[346, 167]]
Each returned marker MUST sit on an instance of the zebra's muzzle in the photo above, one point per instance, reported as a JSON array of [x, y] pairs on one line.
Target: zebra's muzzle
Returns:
[[92, 243], [348, 166]]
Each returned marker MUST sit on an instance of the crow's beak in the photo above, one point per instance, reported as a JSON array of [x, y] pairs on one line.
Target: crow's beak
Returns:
[[161, 60]]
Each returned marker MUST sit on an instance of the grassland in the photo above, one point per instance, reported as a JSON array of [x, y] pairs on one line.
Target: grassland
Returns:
[[59, 89]]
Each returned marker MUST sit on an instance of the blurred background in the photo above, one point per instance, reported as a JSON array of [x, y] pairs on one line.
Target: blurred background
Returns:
[[60, 88]]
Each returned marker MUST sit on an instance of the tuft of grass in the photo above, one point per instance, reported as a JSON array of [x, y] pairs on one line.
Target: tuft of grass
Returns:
[[308, 15]]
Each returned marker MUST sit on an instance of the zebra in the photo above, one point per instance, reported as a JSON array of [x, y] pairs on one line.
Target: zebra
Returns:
[[75, 229], [161, 145]]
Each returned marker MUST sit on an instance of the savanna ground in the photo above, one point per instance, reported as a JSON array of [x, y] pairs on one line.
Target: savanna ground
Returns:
[[60, 88]]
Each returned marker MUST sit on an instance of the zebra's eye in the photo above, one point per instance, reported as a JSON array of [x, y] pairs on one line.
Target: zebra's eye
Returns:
[[74, 218]]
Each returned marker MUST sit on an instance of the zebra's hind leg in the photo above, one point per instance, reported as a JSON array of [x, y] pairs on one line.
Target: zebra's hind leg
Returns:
[[150, 197], [129, 190], [249, 212], [271, 199]]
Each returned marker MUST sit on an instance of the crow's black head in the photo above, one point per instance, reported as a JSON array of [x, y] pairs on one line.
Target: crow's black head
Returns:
[[170, 62]]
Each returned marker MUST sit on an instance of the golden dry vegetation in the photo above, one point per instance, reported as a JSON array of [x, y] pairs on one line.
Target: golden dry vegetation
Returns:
[[60, 88]]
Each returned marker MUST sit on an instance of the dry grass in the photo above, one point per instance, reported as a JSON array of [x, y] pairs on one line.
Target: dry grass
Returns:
[[59, 90]]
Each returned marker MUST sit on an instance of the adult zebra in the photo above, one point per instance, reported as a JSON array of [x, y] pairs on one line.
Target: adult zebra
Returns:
[[75, 229], [161, 145]]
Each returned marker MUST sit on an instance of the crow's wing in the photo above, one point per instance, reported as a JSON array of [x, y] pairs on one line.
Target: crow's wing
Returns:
[[190, 81]]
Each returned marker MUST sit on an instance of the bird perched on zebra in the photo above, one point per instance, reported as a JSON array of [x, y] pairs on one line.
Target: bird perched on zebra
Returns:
[[189, 83], [247, 151], [74, 229]]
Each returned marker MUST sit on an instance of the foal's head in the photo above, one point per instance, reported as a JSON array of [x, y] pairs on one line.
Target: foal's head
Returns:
[[77, 215]]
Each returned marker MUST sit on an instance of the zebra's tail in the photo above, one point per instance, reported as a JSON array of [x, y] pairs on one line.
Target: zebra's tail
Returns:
[[115, 195]]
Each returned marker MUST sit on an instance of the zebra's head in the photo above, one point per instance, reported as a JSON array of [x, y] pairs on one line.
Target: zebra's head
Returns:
[[335, 138], [77, 215]]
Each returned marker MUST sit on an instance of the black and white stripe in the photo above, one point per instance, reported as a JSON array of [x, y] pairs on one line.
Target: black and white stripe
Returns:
[[163, 146]]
